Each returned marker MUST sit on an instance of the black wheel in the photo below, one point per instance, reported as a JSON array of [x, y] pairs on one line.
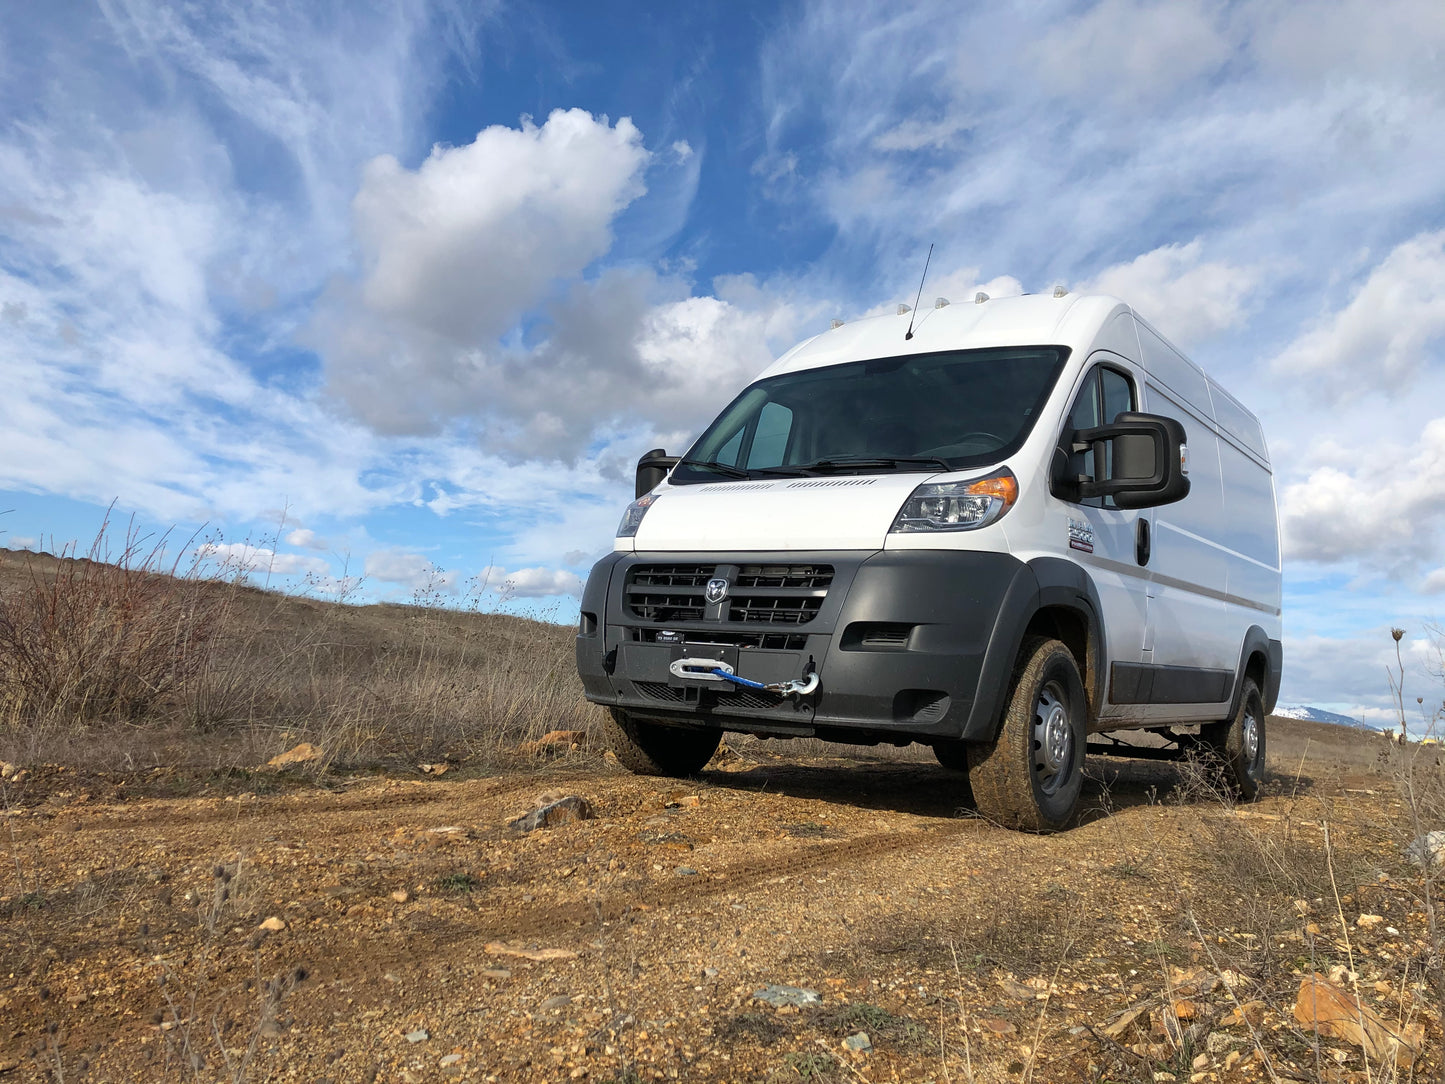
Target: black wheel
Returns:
[[652, 749], [1031, 776], [953, 755], [1239, 743]]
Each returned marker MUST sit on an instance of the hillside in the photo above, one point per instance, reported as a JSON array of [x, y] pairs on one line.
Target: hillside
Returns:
[[251, 672]]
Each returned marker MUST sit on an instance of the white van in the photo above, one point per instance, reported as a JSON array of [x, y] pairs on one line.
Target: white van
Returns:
[[1029, 521]]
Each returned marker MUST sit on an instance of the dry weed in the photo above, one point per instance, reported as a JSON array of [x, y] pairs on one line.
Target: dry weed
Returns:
[[122, 661]]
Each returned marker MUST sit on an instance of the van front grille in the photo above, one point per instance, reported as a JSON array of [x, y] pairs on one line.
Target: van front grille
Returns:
[[768, 610], [660, 690], [756, 699], [672, 576], [798, 577], [757, 594], [665, 608]]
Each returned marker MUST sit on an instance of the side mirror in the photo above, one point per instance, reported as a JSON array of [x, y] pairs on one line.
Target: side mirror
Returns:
[[1149, 465], [652, 468]]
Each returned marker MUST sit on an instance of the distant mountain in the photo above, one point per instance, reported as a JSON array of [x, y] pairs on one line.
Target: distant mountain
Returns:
[[1319, 715]]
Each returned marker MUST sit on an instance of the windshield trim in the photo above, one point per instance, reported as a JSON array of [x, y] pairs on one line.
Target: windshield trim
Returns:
[[697, 473]]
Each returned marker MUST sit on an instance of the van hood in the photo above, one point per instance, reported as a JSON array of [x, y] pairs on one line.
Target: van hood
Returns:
[[839, 512]]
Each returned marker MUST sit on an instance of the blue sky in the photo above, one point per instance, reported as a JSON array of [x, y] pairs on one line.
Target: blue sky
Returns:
[[400, 291]]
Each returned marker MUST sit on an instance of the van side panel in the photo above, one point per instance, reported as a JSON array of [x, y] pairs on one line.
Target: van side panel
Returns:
[[1238, 422], [1189, 622], [1170, 368], [1250, 535]]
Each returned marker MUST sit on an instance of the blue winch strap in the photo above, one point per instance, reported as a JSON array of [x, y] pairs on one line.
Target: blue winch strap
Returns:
[[739, 680]]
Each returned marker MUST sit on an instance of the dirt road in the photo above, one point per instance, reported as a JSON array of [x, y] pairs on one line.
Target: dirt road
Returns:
[[414, 936]]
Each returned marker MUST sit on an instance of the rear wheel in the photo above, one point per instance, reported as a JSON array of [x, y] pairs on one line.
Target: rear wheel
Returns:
[[651, 749], [1031, 776], [1239, 743]]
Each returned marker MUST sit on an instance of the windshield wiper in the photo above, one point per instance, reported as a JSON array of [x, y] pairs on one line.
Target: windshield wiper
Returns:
[[726, 469], [882, 462]]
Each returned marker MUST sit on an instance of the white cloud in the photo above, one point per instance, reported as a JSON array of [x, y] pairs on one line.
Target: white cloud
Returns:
[[166, 215], [1383, 336], [1434, 583], [1131, 52], [1396, 40], [306, 539], [533, 583], [243, 557], [468, 241], [917, 135], [1188, 299], [412, 571], [1387, 511], [1355, 671], [22, 542], [456, 252]]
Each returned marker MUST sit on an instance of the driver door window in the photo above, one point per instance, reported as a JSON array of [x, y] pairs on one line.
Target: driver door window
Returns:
[[1105, 394]]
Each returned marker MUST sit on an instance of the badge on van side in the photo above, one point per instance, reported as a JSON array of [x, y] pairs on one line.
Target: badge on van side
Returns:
[[1081, 536]]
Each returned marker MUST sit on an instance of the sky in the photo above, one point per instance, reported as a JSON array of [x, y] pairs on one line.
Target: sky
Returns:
[[383, 300]]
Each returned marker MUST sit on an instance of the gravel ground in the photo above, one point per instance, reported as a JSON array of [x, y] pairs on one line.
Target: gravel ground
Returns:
[[397, 929]]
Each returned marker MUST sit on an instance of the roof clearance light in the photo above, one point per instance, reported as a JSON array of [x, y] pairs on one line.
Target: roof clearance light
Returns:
[[958, 506], [834, 325], [940, 302], [904, 309], [1061, 291], [980, 297]]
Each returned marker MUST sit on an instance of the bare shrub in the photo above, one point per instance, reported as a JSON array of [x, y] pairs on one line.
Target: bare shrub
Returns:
[[1419, 775], [103, 637], [123, 661]]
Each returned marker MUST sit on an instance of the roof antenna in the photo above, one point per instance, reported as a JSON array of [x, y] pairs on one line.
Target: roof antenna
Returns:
[[909, 333]]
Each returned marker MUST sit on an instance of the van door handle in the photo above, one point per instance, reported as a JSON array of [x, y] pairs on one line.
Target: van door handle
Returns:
[[1141, 542]]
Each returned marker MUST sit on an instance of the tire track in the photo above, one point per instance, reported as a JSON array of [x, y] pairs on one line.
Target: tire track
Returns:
[[563, 922]]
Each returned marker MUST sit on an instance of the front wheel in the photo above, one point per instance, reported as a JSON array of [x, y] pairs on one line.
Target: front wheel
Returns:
[[1239, 743], [651, 749], [1031, 776]]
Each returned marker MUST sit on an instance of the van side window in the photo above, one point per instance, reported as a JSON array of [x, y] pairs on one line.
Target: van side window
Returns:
[[728, 453], [770, 439], [1104, 395]]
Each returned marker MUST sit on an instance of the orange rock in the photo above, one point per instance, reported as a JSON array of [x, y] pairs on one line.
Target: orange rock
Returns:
[[554, 743], [995, 1026], [304, 753], [1334, 1012], [501, 948], [1251, 1013], [1185, 1010]]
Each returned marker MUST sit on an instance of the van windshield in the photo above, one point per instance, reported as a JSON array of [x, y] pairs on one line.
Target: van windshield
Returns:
[[921, 412]]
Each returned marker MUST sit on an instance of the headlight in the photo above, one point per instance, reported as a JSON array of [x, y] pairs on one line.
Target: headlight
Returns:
[[632, 518], [958, 506]]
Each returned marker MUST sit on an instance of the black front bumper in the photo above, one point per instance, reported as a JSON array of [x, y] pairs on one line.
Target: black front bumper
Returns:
[[907, 644]]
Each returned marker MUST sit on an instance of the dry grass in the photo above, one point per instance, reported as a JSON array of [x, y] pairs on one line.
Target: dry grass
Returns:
[[121, 661]]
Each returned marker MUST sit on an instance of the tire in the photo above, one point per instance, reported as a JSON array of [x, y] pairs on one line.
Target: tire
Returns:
[[953, 755], [1239, 743], [1030, 777], [652, 749]]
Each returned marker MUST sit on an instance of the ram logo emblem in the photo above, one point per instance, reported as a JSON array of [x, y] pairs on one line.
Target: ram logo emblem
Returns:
[[717, 590]]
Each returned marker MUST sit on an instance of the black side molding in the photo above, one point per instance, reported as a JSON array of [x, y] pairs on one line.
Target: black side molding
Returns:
[[1135, 683]]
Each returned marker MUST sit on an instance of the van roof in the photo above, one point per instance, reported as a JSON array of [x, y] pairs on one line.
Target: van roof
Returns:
[[1073, 320], [1029, 320]]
